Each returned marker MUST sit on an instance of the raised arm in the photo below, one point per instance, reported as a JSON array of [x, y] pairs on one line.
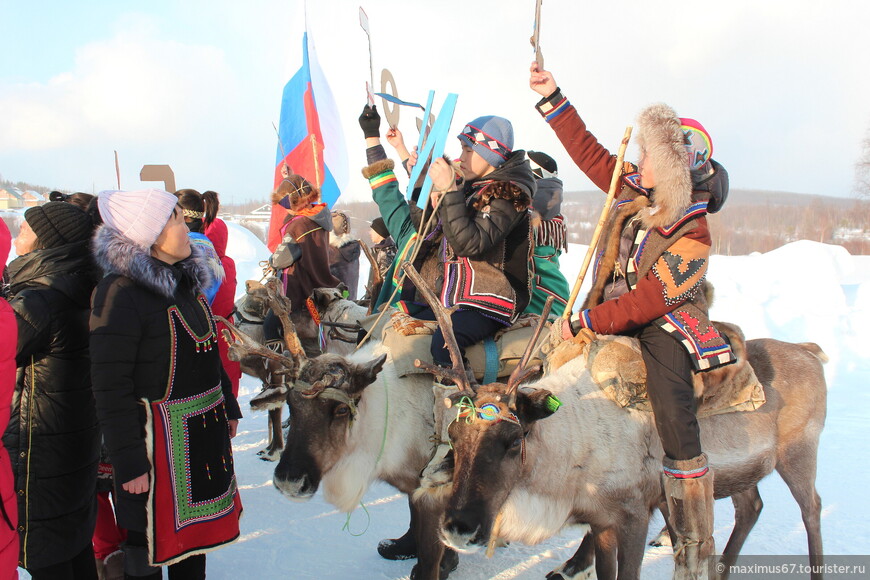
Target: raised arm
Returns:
[[590, 156]]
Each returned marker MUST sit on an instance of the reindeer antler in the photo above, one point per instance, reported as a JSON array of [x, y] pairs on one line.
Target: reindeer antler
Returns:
[[442, 315], [281, 306], [521, 373], [242, 345]]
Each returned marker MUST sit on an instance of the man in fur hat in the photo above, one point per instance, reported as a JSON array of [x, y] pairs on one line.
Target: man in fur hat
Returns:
[[648, 283]]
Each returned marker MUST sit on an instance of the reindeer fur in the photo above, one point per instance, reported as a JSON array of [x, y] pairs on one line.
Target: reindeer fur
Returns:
[[402, 407], [594, 462]]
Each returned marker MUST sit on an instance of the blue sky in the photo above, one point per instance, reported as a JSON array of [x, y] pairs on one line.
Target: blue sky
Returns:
[[198, 84]]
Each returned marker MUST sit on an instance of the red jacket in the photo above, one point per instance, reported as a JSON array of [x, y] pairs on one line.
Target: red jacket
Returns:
[[668, 259], [224, 300], [8, 501]]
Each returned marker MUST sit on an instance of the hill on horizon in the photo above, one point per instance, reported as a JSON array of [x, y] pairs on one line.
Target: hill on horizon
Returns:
[[742, 196]]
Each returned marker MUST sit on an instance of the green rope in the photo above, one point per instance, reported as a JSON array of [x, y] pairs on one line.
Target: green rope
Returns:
[[346, 526], [466, 404]]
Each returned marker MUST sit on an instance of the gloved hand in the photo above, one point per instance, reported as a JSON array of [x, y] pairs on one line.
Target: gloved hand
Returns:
[[370, 121], [286, 254]]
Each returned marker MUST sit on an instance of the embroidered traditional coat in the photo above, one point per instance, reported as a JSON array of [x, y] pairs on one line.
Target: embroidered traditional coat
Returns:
[[163, 399], [667, 261], [478, 260]]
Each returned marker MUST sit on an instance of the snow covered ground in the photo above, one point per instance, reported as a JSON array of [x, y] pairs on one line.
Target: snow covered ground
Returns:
[[804, 291]]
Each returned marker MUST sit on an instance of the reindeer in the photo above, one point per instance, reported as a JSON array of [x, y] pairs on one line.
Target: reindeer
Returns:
[[340, 318], [522, 475], [593, 462], [251, 309], [350, 429]]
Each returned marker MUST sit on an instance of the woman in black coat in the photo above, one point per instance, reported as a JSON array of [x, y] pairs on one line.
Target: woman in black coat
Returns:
[[52, 435], [165, 405]]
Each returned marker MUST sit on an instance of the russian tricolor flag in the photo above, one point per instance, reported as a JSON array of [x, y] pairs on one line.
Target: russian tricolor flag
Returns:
[[311, 139]]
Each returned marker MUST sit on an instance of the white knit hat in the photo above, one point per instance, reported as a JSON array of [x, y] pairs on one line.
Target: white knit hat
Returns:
[[139, 215]]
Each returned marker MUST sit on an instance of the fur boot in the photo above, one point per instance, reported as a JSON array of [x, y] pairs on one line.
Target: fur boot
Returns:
[[690, 503], [439, 471]]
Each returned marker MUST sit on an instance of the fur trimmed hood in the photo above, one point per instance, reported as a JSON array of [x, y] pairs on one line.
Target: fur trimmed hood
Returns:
[[662, 143], [342, 240], [116, 254]]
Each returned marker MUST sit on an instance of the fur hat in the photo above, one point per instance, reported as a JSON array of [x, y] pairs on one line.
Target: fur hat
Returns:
[[490, 137], [340, 223], [380, 227], [663, 145], [140, 215], [542, 164], [57, 223]]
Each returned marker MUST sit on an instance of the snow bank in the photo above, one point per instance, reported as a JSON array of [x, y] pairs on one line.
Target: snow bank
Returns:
[[246, 249]]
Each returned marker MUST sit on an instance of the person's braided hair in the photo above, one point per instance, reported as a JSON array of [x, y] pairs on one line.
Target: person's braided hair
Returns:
[[193, 208]]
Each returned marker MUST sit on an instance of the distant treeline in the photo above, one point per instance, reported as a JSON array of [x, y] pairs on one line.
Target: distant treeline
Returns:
[[756, 221], [750, 221], [21, 185]]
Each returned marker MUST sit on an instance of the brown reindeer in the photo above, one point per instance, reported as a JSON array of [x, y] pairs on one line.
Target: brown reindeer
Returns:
[[349, 430], [259, 299], [522, 474]]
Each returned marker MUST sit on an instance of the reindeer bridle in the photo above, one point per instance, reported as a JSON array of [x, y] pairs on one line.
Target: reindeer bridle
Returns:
[[293, 360], [467, 393], [324, 388], [492, 413]]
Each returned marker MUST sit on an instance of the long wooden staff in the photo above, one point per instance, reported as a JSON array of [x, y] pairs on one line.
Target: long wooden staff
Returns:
[[614, 186]]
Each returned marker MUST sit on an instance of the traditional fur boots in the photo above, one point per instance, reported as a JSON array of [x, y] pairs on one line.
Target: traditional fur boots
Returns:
[[688, 488]]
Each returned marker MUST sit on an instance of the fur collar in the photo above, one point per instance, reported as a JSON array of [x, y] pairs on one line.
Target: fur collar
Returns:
[[340, 241], [116, 254], [663, 143]]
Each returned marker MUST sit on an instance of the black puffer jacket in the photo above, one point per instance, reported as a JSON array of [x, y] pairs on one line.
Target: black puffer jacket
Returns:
[[490, 250], [131, 348], [52, 435]]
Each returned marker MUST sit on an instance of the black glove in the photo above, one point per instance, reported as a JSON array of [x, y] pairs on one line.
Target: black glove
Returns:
[[370, 121]]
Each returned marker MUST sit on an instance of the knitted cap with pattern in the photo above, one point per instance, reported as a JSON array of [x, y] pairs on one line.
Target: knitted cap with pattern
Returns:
[[139, 215], [490, 137], [699, 145], [57, 223]]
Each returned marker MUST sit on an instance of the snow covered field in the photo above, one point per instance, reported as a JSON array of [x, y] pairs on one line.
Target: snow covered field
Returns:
[[804, 291]]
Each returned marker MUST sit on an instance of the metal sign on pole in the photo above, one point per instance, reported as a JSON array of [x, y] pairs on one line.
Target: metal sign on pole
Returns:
[[370, 85], [536, 36]]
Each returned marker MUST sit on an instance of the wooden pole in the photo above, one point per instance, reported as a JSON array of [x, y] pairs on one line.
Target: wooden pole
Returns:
[[614, 186], [117, 170]]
